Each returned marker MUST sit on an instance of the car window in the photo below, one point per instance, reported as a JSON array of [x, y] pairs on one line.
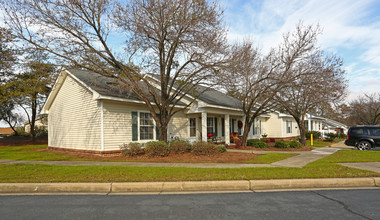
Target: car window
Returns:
[[357, 131], [374, 131]]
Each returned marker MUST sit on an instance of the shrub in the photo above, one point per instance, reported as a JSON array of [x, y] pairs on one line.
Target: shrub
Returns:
[[331, 137], [157, 149], [257, 143], [288, 144], [132, 149], [316, 134], [295, 144], [180, 147], [222, 149], [21, 132], [41, 132], [202, 148], [282, 144], [342, 136]]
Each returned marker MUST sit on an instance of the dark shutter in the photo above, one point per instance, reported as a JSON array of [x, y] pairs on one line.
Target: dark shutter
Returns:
[[134, 126], [223, 131], [157, 129], [216, 127]]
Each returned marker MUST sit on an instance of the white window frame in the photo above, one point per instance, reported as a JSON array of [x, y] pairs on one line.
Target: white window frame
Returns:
[[138, 127]]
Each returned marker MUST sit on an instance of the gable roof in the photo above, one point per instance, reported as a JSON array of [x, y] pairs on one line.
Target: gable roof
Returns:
[[6, 131], [107, 88]]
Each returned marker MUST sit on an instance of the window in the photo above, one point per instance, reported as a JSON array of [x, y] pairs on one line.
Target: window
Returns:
[[311, 127], [374, 131], [319, 125], [193, 127], [210, 125], [146, 126], [257, 127], [288, 126], [357, 131]]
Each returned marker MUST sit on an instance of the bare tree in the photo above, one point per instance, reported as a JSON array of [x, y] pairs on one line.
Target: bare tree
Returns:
[[181, 41], [252, 79], [255, 79], [365, 110], [320, 80]]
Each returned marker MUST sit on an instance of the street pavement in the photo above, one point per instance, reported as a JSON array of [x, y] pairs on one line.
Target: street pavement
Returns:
[[310, 205]]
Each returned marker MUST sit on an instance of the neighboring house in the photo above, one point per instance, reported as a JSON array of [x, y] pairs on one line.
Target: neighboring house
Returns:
[[86, 111], [331, 126], [41, 122], [5, 131], [314, 122], [280, 126]]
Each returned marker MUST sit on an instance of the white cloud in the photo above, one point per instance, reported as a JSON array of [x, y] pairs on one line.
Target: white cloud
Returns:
[[349, 30]]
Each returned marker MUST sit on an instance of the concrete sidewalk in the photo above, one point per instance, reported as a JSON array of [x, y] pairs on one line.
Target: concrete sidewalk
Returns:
[[372, 166]]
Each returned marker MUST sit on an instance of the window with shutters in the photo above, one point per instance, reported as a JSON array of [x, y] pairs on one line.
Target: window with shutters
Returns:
[[146, 126]]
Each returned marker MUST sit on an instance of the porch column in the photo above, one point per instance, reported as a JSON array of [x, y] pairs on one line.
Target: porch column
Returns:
[[204, 126], [227, 129], [309, 124]]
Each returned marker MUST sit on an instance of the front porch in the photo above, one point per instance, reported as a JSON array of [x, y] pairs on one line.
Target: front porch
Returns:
[[216, 127]]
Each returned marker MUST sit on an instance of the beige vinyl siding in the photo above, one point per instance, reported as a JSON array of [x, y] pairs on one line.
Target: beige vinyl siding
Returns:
[[117, 118], [295, 130], [74, 118], [178, 126], [118, 123], [272, 126]]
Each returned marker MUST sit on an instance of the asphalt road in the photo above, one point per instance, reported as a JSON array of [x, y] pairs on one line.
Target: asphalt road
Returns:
[[334, 204]]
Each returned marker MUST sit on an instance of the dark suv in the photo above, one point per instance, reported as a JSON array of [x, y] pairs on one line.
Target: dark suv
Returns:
[[364, 137]]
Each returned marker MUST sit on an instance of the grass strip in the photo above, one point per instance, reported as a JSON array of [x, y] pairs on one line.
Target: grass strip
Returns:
[[24, 173], [318, 144], [269, 158]]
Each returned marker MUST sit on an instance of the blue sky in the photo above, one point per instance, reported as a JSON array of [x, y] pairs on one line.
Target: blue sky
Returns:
[[351, 30]]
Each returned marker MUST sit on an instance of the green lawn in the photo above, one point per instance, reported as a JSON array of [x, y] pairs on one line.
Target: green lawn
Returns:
[[323, 168], [32, 152], [35, 152], [318, 144], [270, 158], [352, 156]]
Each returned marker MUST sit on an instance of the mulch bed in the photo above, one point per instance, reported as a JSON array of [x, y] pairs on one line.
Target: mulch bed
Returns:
[[226, 157], [271, 148]]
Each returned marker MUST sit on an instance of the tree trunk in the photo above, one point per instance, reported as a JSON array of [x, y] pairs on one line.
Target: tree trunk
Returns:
[[12, 126], [302, 133], [163, 133], [247, 127], [33, 122]]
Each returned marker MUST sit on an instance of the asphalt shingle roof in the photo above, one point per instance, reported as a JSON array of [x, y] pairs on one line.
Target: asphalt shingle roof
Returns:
[[107, 86]]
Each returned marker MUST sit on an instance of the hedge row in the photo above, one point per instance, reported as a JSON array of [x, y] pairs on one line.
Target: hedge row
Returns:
[[287, 144], [162, 149]]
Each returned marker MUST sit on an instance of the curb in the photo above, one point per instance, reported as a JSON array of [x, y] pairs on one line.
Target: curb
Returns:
[[143, 187]]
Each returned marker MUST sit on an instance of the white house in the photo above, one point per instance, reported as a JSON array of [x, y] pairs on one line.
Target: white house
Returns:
[[87, 112], [280, 126]]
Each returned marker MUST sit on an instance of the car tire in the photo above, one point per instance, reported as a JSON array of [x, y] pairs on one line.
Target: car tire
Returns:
[[364, 145]]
